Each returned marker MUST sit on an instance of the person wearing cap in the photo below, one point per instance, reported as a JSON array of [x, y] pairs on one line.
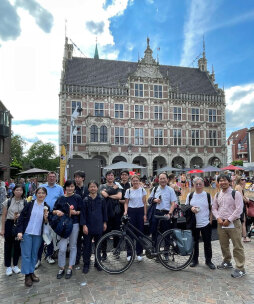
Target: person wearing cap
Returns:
[[240, 183]]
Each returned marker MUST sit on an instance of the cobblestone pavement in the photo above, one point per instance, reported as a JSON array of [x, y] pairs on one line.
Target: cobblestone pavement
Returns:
[[144, 282]]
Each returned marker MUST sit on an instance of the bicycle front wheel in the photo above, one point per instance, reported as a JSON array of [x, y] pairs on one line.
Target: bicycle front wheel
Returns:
[[168, 253], [111, 252]]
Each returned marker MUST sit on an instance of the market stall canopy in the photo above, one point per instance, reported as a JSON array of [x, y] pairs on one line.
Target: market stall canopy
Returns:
[[211, 169], [231, 167], [33, 171], [195, 171], [168, 169], [122, 165]]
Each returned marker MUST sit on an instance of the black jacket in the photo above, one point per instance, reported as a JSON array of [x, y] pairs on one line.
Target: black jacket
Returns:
[[24, 217]]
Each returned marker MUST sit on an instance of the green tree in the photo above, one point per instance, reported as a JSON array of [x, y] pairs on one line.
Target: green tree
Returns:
[[42, 156], [237, 163], [17, 151]]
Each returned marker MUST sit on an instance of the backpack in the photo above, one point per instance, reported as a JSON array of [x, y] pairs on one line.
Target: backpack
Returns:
[[62, 225]]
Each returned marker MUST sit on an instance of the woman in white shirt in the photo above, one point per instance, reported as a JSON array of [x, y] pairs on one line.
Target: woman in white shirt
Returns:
[[135, 207]]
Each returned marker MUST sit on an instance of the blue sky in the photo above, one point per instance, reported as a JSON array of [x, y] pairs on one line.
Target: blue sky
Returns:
[[32, 39]]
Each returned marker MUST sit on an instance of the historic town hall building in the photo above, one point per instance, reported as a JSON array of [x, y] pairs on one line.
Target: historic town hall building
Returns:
[[142, 112]]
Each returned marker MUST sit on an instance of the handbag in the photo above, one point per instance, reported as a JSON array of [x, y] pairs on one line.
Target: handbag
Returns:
[[250, 208], [184, 241]]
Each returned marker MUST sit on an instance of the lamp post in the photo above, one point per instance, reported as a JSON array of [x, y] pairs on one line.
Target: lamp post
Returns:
[[73, 130]]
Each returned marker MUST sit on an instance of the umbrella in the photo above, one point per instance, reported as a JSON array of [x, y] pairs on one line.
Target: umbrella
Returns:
[[195, 171], [168, 169], [122, 165], [34, 171], [211, 169], [231, 167]]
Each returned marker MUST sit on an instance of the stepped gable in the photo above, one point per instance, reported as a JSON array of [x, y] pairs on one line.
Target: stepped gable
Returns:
[[113, 73]]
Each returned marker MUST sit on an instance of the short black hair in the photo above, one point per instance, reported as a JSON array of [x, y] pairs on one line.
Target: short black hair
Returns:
[[124, 171], [224, 176], [109, 172], [68, 183], [80, 173], [93, 182], [41, 188], [163, 173], [19, 186]]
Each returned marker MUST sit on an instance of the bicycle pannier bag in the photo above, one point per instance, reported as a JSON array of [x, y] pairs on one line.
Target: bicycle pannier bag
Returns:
[[184, 241]]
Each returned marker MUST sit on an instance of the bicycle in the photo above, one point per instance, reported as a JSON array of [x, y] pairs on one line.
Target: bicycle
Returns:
[[115, 260]]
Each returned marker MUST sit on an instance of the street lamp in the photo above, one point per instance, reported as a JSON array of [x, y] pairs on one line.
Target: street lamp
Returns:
[[74, 130]]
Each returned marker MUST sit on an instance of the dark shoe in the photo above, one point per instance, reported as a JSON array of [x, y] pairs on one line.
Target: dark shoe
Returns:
[[97, 267], [86, 269], [60, 274], [211, 265], [68, 273], [104, 256], [77, 262], [28, 280], [225, 265], [238, 273], [193, 263], [34, 278]]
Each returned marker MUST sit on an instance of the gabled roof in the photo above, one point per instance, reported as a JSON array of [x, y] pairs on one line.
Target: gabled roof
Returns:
[[238, 135], [114, 73]]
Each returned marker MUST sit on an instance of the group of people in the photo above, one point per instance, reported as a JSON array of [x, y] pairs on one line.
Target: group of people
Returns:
[[95, 210]]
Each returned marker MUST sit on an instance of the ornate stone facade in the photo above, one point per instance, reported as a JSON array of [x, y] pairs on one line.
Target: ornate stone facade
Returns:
[[145, 113]]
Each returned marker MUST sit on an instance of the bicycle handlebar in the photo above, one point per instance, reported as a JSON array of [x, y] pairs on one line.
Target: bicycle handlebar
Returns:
[[162, 217]]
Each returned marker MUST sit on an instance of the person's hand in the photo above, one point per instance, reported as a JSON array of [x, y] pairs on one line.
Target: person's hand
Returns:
[[45, 215], [104, 194], [85, 230], [115, 186], [157, 200], [59, 213], [2, 232], [20, 236], [226, 223], [145, 218], [125, 213], [104, 226], [220, 221], [194, 210]]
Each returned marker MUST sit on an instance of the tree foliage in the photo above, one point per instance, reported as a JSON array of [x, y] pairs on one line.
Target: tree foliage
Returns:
[[237, 163], [42, 156], [17, 148]]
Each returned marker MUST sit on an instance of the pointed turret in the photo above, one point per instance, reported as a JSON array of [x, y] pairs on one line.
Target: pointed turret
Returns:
[[96, 53], [202, 62]]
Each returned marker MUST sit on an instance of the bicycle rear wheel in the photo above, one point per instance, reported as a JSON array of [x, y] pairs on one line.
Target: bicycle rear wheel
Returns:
[[168, 253], [114, 260]]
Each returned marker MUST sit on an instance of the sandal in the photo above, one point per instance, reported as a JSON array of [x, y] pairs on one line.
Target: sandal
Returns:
[[246, 240]]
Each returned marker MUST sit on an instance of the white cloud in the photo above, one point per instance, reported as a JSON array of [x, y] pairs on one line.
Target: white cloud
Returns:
[[30, 66], [195, 27]]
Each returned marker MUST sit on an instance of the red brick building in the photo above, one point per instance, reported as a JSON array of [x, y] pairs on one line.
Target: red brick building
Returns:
[[237, 146]]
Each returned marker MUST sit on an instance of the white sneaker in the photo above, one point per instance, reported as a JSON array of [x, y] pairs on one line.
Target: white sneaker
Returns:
[[128, 258], [16, 270], [139, 258], [50, 260], [38, 264], [8, 271]]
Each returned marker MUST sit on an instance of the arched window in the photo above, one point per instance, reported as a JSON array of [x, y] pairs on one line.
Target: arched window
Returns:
[[103, 134], [94, 133]]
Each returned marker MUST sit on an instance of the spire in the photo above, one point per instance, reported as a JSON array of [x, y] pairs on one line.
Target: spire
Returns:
[[202, 62], [96, 53], [203, 46]]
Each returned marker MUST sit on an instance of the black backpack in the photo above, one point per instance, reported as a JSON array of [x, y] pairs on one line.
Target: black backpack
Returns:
[[62, 225]]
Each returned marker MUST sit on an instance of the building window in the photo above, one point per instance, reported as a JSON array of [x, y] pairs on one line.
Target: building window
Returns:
[[118, 110], [103, 134], [212, 138], [212, 115], [195, 114], [158, 137], [77, 135], [99, 109], [157, 91], [139, 136], [158, 112], [74, 105], [1, 145], [94, 133], [139, 112], [119, 136], [139, 90], [195, 137], [177, 113], [177, 136]]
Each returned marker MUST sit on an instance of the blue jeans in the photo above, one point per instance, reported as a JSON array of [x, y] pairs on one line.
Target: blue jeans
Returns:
[[29, 252]]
